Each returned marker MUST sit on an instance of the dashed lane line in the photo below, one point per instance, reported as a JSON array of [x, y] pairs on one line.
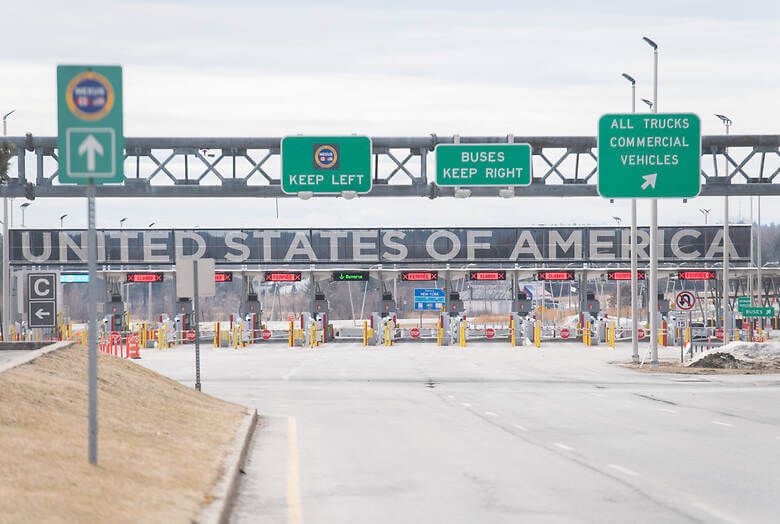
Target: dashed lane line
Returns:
[[563, 446], [522, 428], [719, 423], [491, 414], [623, 470], [465, 404]]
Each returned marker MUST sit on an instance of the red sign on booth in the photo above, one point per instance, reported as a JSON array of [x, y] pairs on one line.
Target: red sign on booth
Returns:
[[490, 332], [265, 334], [115, 338], [191, 335], [719, 333], [415, 332], [565, 333], [640, 333]]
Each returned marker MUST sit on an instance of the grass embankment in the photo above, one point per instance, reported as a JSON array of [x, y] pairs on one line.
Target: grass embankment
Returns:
[[161, 444]]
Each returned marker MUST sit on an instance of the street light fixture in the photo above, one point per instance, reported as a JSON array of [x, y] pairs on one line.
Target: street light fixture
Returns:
[[648, 102], [24, 206], [122, 222], [706, 213], [150, 225], [61, 219], [12, 111], [618, 220]]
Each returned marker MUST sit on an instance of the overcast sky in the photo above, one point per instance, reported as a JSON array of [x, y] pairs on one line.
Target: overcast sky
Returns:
[[387, 69]]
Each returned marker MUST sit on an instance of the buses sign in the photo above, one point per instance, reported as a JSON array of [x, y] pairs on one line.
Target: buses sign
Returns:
[[483, 165]]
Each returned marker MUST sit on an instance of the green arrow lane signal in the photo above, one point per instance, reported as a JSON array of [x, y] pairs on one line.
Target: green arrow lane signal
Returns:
[[656, 155], [90, 138]]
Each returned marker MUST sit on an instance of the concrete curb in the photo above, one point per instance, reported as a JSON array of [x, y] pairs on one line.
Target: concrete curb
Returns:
[[226, 489], [32, 355]]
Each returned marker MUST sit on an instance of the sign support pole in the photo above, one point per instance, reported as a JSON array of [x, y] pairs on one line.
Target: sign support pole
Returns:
[[92, 314], [634, 287], [196, 321], [654, 241], [6, 275]]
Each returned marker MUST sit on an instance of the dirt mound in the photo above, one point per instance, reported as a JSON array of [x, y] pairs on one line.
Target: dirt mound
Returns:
[[723, 361]]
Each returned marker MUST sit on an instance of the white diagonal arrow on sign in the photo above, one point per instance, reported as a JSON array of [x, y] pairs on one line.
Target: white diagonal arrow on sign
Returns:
[[90, 146], [649, 180]]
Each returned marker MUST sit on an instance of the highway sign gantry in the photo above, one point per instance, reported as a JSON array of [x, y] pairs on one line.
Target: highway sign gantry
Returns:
[[473, 165], [42, 300], [649, 155], [90, 137], [326, 164]]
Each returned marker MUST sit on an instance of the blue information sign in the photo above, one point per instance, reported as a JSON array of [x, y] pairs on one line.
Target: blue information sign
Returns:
[[428, 299]]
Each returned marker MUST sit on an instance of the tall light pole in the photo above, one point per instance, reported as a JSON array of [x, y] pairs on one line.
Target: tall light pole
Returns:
[[149, 289], [726, 243], [654, 232], [24, 206], [6, 305], [634, 269], [62, 218]]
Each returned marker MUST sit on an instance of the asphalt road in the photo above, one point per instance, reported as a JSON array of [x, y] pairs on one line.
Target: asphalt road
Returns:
[[488, 433]]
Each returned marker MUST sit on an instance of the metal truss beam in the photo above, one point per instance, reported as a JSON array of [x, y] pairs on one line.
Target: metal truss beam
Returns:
[[566, 166]]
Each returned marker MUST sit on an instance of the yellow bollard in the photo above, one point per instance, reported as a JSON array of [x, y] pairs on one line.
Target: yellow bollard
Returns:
[[462, 335], [587, 327], [365, 333]]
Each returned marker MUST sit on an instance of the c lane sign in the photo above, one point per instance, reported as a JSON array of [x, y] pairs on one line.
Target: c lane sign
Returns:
[[90, 137], [483, 165], [326, 164], [655, 155], [42, 300]]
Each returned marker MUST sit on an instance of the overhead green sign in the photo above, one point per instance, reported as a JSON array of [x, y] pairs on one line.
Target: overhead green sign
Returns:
[[90, 139], [756, 311], [743, 301], [653, 155], [326, 164], [483, 164]]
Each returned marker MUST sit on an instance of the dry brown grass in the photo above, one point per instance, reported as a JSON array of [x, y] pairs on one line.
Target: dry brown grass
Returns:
[[160, 444], [676, 368]]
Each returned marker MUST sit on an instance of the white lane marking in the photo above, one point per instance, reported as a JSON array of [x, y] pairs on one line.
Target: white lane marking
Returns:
[[624, 470], [451, 397], [521, 428], [563, 446], [665, 410], [290, 373], [713, 512], [491, 414], [465, 404], [597, 395], [719, 423]]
